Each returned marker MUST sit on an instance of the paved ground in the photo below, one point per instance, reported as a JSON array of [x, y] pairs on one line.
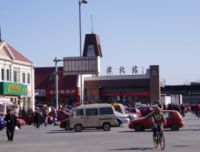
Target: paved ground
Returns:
[[54, 139]]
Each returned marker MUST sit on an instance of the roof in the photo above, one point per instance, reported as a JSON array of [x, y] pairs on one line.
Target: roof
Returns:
[[18, 56], [95, 105]]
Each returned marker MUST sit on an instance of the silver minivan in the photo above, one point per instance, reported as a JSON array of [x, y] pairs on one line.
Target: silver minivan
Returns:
[[92, 116]]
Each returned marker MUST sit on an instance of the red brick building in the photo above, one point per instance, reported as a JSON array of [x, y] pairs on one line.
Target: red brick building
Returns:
[[45, 87]]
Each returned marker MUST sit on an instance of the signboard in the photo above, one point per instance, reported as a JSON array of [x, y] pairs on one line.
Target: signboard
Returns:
[[80, 65], [8, 88]]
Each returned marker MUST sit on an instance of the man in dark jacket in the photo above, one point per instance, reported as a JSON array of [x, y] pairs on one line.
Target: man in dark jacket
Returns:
[[11, 123]]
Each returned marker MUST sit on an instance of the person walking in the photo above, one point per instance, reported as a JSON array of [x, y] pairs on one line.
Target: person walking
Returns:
[[37, 118], [11, 120]]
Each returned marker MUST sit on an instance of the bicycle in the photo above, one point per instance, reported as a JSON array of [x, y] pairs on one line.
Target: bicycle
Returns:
[[159, 139]]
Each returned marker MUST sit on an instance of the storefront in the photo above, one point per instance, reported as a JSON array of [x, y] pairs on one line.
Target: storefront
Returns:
[[16, 80], [127, 89], [11, 95]]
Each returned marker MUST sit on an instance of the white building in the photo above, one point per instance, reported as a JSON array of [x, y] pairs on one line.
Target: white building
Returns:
[[16, 79]]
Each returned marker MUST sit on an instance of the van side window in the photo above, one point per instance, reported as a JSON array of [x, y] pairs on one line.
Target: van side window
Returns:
[[79, 112], [92, 112], [105, 111]]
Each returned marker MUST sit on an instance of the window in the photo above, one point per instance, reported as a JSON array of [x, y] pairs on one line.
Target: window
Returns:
[[28, 78], [167, 114], [2, 74], [23, 77], [15, 76], [105, 111], [8, 74], [79, 112], [91, 112]]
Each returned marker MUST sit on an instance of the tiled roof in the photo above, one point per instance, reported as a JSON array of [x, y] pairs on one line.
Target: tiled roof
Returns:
[[18, 56]]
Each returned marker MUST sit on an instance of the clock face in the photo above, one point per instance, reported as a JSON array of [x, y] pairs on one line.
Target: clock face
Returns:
[[90, 51]]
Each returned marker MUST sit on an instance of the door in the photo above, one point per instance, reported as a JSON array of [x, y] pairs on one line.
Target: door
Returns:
[[91, 117]]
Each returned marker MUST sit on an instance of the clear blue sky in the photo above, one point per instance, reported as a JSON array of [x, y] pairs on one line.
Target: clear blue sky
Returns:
[[132, 32]]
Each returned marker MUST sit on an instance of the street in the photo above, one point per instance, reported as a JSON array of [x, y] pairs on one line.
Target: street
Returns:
[[52, 138]]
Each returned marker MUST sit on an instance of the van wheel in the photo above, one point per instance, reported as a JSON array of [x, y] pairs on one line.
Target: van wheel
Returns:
[[78, 128], [106, 127], [66, 127]]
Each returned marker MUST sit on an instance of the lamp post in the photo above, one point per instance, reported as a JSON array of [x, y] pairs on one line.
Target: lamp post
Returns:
[[80, 38], [56, 80]]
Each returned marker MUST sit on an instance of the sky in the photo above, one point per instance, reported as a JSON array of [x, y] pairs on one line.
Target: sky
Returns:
[[132, 32]]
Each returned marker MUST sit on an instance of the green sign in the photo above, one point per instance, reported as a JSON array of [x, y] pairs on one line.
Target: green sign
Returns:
[[8, 88]]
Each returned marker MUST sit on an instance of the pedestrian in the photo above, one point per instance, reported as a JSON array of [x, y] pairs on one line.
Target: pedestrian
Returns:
[[45, 116], [37, 118], [11, 120], [54, 115]]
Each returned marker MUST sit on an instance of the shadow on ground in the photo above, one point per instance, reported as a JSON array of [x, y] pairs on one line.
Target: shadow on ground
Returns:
[[72, 131], [133, 148]]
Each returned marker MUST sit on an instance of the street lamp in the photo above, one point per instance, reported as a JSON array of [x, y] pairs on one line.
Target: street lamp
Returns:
[[56, 80], [81, 2]]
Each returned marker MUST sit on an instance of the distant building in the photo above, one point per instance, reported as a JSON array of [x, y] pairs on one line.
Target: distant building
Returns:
[[190, 93], [16, 79], [68, 90]]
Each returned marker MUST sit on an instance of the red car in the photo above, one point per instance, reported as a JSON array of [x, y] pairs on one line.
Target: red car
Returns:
[[20, 123], [174, 121]]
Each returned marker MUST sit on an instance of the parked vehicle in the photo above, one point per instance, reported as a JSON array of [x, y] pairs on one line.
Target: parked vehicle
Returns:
[[121, 118], [174, 121], [145, 110], [20, 123], [2, 123], [122, 109], [133, 110], [91, 116]]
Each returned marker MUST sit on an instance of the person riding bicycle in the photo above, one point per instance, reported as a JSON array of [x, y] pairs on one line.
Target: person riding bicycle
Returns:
[[158, 121]]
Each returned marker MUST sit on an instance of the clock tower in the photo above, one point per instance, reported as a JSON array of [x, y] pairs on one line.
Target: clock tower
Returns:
[[92, 46]]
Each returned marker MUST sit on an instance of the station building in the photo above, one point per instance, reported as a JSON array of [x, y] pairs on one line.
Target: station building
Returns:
[[130, 89], [16, 79]]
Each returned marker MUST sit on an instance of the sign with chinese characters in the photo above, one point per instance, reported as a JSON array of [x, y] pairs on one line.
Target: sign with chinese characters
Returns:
[[8, 88]]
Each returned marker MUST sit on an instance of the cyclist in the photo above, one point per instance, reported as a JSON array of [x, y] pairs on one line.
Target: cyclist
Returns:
[[158, 121]]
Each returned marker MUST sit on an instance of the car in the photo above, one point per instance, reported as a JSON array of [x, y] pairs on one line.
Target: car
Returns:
[[121, 118], [20, 123], [2, 123], [173, 120], [122, 109], [135, 111], [145, 110], [91, 116]]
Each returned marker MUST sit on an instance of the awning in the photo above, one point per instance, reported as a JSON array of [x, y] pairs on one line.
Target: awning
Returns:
[[5, 101]]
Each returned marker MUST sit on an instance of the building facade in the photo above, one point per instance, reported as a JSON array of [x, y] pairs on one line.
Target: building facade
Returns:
[[16, 79], [68, 90], [129, 89], [190, 93]]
